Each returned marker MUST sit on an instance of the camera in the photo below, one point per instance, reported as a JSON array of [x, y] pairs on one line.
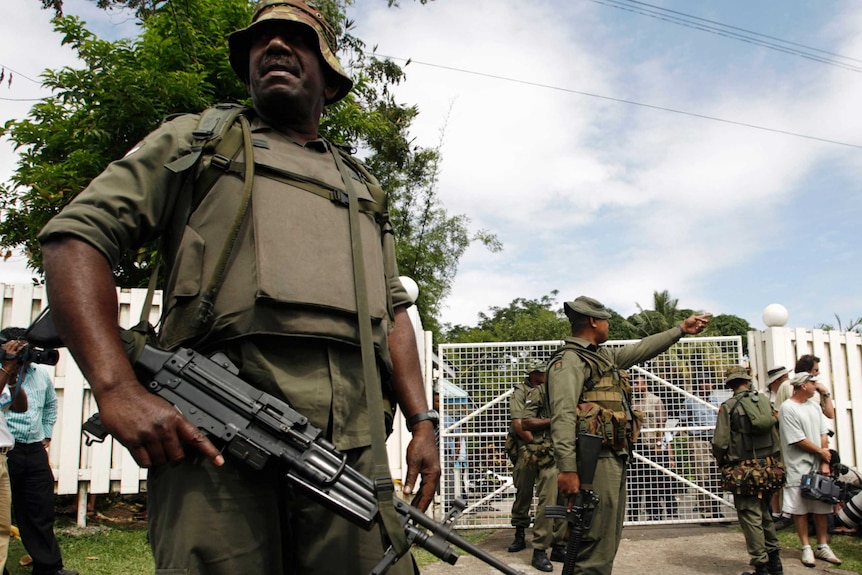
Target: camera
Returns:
[[850, 514], [46, 356]]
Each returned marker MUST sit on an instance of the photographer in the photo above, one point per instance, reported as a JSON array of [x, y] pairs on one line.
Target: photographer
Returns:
[[11, 399], [30, 472], [804, 443]]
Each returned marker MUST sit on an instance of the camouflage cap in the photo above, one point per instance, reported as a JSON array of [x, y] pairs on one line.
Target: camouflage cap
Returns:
[[737, 373], [587, 306], [534, 365], [302, 12]]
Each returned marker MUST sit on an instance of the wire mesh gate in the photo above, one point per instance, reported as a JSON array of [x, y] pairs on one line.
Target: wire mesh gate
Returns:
[[672, 475]]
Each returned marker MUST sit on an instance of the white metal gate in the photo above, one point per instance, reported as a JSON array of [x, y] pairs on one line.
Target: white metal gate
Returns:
[[671, 478]]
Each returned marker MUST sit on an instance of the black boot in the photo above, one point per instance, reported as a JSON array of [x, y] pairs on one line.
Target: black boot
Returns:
[[758, 570], [774, 565], [540, 561], [558, 553], [518, 544]]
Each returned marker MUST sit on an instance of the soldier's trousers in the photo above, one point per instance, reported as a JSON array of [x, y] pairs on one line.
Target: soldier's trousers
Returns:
[[524, 478], [757, 525], [600, 543], [230, 520], [546, 531]]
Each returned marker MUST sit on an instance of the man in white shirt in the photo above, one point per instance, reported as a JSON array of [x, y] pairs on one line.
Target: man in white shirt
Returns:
[[805, 446]]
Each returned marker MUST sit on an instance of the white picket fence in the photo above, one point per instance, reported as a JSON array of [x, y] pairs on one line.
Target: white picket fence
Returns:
[[840, 356], [108, 467]]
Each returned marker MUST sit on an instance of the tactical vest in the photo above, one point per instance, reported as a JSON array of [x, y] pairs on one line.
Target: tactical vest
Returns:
[[291, 267], [604, 408]]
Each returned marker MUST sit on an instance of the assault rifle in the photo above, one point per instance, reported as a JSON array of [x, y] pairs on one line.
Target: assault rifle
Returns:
[[256, 428], [580, 518]]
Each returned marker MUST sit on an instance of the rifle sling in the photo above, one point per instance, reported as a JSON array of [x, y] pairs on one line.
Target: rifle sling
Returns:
[[373, 394]]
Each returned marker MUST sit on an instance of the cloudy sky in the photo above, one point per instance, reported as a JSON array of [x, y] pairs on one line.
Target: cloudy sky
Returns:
[[615, 147]]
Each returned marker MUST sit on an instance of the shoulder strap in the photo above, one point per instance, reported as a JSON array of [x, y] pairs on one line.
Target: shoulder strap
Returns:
[[216, 139]]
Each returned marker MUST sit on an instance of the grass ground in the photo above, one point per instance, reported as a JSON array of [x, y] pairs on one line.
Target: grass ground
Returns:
[[847, 547]]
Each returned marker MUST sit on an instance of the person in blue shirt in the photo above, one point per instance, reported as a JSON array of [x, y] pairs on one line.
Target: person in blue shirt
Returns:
[[30, 472]]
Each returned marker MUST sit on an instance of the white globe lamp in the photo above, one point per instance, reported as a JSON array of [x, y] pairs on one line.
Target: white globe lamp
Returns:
[[411, 286], [775, 315]]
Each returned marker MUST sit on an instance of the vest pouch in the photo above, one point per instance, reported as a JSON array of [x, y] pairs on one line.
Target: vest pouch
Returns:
[[302, 250], [611, 426], [758, 476], [512, 448]]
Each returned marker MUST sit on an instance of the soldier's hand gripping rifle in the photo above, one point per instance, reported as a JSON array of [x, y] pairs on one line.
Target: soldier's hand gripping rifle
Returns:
[[256, 427], [580, 517]]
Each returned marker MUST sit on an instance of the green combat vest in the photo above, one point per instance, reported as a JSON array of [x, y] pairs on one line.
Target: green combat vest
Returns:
[[604, 408], [297, 207]]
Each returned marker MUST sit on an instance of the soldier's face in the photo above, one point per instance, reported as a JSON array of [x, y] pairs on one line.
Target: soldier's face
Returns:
[[601, 327], [537, 378], [286, 75]]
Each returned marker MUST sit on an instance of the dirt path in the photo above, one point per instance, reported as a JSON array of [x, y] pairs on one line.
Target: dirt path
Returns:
[[691, 550]]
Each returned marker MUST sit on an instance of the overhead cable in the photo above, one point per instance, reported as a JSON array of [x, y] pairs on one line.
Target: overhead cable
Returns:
[[618, 100], [735, 33]]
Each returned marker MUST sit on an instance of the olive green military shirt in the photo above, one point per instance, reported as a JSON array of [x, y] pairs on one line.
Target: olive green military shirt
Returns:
[[133, 202], [566, 378], [517, 404]]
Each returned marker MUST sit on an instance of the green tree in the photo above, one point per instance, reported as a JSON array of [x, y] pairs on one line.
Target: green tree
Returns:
[[179, 63], [522, 320], [851, 325], [527, 320], [664, 315]]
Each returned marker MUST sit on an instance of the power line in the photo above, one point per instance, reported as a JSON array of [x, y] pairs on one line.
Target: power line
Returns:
[[732, 32], [621, 101], [17, 73]]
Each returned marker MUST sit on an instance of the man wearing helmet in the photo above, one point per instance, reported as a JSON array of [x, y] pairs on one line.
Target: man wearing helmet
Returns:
[[277, 297]]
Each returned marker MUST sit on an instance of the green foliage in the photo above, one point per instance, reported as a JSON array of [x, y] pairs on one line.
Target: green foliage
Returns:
[[522, 320], [179, 63], [99, 111], [664, 315], [851, 325]]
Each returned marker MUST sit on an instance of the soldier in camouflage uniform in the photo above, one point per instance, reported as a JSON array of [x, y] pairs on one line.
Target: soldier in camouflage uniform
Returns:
[[589, 392], [745, 460]]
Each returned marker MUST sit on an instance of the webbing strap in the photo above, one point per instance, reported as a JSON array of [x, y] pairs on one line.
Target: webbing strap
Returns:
[[373, 394], [205, 307], [311, 185]]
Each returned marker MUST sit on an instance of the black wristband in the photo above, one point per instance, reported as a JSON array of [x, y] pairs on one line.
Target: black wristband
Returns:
[[430, 415]]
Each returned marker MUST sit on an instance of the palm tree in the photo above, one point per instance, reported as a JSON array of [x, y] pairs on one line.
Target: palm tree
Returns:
[[664, 315]]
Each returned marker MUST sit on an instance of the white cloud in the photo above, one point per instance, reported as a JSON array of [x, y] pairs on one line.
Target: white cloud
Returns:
[[592, 196]]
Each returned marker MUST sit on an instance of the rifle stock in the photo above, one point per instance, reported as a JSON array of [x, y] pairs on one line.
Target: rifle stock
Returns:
[[257, 427], [580, 518]]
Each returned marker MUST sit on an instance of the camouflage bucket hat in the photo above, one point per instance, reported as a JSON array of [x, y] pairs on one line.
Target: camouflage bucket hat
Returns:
[[298, 11], [737, 373], [534, 365]]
